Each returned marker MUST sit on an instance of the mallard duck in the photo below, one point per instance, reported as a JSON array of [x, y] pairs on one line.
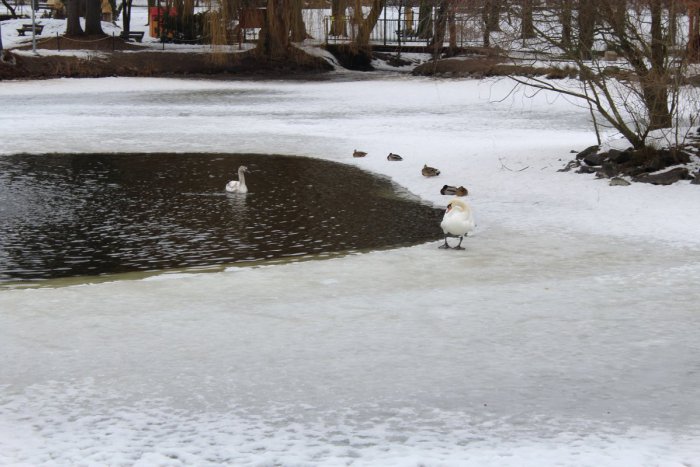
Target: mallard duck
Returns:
[[357, 153], [430, 171], [454, 190], [458, 221], [238, 186], [394, 157]]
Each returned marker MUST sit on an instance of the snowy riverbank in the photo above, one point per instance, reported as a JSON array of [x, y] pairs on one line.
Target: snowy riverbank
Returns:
[[566, 333]]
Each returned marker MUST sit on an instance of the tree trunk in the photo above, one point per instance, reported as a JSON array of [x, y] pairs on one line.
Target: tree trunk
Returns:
[[425, 19], [297, 21], [186, 23], [440, 28], [586, 28], [565, 16], [527, 27], [654, 86], [126, 16], [452, 27], [658, 41], [485, 11], [494, 21], [491, 17], [357, 18], [149, 4], [365, 27], [218, 27], [10, 9], [93, 17], [178, 24], [619, 13], [338, 23], [655, 92], [73, 27], [444, 23], [274, 36], [672, 23]]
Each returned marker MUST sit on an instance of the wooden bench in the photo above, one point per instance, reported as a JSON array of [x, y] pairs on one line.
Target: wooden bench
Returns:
[[28, 28], [132, 35], [407, 35], [49, 10]]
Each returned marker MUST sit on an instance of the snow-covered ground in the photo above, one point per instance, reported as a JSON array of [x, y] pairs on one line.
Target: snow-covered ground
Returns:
[[565, 334]]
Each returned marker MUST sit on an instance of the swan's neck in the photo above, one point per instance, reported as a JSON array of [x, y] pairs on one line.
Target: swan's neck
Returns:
[[241, 177], [459, 204]]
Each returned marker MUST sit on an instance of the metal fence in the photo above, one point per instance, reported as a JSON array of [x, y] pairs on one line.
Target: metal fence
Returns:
[[409, 31]]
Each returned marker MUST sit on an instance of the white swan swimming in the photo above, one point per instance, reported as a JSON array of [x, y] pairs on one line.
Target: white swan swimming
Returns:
[[458, 221], [238, 186]]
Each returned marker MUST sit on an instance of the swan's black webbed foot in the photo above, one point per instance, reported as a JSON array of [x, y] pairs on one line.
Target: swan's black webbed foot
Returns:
[[445, 246]]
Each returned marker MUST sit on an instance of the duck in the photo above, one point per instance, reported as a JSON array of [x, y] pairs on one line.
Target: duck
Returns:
[[458, 221], [454, 190], [394, 157], [238, 186], [430, 171], [357, 153]]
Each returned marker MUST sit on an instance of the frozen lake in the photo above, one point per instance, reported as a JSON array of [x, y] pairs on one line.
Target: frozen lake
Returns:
[[565, 334]]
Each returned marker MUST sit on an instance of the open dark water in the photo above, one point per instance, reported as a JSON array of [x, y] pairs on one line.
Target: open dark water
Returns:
[[65, 215]]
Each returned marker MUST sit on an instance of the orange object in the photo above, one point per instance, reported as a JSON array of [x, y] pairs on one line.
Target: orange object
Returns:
[[157, 18]]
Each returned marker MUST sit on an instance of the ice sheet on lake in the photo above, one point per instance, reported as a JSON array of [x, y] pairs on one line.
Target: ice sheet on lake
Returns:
[[565, 333]]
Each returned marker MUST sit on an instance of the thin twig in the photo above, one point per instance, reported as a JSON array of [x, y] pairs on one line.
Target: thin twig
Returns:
[[503, 166]]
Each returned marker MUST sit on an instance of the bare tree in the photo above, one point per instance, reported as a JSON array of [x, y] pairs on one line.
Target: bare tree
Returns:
[[527, 27], [73, 27], [338, 23], [494, 19], [444, 23], [673, 10], [298, 28], [565, 9], [491, 18], [366, 24], [425, 19], [440, 27], [587, 12], [9, 8], [641, 92], [93, 17], [126, 15], [452, 25], [220, 26], [274, 41]]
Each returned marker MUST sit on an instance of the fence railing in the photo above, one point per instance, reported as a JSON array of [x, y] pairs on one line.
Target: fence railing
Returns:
[[395, 31]]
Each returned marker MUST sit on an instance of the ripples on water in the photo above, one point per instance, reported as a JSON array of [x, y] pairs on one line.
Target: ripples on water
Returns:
[[74, 215]]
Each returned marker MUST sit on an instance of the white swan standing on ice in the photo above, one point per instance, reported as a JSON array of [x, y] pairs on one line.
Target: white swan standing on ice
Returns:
[[458, 221], [238, 186]]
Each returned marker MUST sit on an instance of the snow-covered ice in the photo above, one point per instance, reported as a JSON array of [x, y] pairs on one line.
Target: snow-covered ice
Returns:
[[565, 334]]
